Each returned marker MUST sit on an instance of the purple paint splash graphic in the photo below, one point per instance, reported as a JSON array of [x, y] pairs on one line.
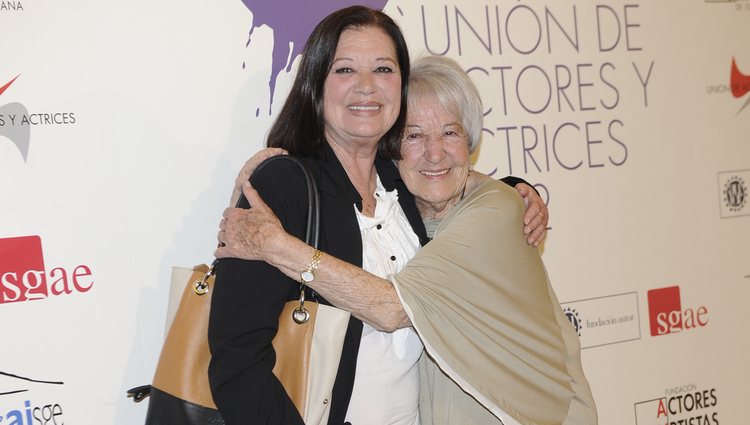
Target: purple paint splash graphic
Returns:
[[292, 22]]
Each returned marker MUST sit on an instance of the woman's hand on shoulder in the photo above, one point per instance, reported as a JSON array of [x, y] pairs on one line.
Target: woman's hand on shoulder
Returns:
[[536, 217], [250, 166], [250, 234]]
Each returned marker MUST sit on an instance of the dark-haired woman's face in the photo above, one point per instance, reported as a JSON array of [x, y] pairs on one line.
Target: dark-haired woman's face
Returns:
[[362, 92]]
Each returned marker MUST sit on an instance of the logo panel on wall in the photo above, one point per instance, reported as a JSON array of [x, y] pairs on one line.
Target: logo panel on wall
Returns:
[[16, 121], [733, 193], [667, 315], [22, 404], [24, 277], [605, 320], [683, 404]]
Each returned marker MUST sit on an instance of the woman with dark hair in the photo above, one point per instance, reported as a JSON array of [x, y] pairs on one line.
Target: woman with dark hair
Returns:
[[343, 118], [300, 126]]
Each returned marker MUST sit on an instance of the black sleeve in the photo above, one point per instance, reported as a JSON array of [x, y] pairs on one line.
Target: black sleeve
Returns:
[[247, 300], [512, 181]]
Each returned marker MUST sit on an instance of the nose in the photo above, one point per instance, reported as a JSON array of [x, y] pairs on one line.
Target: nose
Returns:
[[365, 82], [434, 151]]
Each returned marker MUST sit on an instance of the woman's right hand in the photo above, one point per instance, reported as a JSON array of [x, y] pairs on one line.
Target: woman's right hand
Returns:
[[250, 234], [250, 166]]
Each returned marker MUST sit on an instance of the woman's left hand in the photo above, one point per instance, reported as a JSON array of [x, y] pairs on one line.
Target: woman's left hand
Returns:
[[249, 234], [536, 217]]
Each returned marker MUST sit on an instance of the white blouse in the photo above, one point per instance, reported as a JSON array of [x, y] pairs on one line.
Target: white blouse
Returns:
[[386, 384]]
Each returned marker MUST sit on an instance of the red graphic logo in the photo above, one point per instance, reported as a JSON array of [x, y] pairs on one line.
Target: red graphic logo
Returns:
[[739, 82], [667, 316], [23, 276], [22, 266], [5, 87]]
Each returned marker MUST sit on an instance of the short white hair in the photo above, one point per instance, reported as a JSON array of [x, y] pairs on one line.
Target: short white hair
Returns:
[[444, 79]]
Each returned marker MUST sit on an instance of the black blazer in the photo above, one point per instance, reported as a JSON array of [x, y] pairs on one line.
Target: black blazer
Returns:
[[249, 295]]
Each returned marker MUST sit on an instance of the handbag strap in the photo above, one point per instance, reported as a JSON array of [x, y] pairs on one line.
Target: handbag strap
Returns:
[[312, 226], [300, 314]]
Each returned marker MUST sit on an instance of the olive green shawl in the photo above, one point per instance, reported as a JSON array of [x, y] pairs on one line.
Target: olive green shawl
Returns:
[[480, 299]]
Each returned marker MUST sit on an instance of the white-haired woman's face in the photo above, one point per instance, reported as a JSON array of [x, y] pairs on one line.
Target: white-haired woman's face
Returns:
[[435, 157]]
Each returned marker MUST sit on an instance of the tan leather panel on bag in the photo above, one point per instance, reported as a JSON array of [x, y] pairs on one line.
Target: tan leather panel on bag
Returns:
[[182, 370], [183, 364], [292, 345]]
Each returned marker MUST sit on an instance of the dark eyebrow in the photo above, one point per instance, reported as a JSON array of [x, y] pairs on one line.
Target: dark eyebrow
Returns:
[[385, 59]]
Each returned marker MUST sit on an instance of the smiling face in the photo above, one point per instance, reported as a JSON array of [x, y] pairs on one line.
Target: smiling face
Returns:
[[435, 157], [362, 92]]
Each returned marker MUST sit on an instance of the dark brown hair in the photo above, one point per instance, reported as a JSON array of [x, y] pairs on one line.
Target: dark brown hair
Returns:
[[299, 127]]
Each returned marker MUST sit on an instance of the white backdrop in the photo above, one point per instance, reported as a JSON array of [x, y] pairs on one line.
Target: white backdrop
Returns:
[[122, 126]]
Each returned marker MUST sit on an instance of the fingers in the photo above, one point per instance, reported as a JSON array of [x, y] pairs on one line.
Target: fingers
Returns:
[[532, 201], [532, 222], [523, 189], [537, 236], [222, 236], [249, 167], [227, 235], [276, 151], [262, 155], [536, 229], [252, 196], [535, 217], [222, 252], [533, 212], [225, 252]]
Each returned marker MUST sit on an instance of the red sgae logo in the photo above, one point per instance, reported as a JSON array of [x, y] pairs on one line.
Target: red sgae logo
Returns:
[[666, 314], [23, 276], [22, 267]]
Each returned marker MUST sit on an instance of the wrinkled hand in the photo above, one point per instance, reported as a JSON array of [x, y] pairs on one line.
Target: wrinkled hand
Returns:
[[249, 234], [536, 217], [250, 166]]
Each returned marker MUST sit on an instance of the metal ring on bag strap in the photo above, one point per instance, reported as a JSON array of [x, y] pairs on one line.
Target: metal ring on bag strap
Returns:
[[300, 314], [200, 287]]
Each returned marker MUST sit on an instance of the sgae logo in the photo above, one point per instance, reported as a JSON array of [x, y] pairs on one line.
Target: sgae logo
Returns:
[[667, 316], [23, 276]]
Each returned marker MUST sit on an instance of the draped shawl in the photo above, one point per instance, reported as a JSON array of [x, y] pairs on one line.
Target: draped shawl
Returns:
[[498, 343]]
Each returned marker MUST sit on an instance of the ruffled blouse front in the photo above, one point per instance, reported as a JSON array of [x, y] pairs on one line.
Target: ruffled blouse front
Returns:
[[386, 384]]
